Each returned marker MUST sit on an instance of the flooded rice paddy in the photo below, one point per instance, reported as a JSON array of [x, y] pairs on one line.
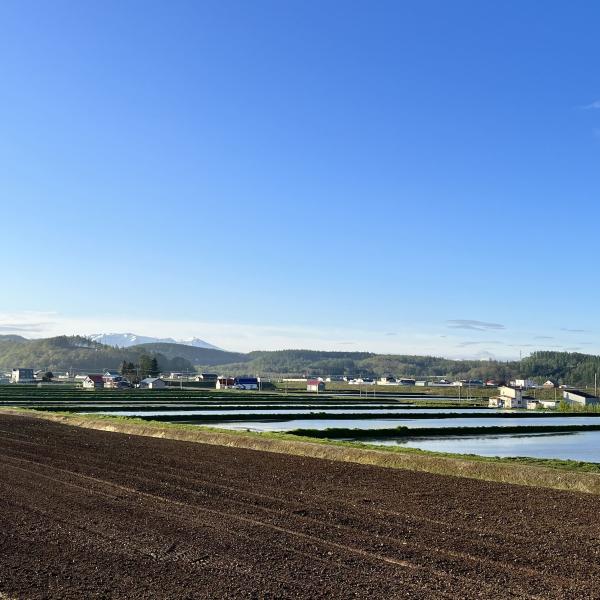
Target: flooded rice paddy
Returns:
[[581, 446], [285, 413], [285, 417]]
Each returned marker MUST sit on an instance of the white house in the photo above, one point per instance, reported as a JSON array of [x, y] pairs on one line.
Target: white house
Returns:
[[508, 397], [22, 376], [153, 383], [114, 379], [93, 382]]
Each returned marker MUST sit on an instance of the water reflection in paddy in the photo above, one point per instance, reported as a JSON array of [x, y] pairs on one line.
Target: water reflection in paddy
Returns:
[[583, 446]]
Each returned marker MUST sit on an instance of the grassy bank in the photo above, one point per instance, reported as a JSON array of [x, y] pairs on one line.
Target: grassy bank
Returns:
[[558, 474], [344, 433]]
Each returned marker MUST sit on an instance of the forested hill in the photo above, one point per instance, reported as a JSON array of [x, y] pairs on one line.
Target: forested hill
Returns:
[[561, 367], [300, 363], [81, 354], [75, 353], [196, 356]]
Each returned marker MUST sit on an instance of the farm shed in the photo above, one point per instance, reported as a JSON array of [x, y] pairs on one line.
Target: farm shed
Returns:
[[22, 376], [315, 385], [224, 383], [153, 383], [246, 383], [581, 398], [207, 377]]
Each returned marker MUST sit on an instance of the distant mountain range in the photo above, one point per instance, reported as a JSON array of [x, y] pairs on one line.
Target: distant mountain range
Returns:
[[125, 340], [81, 354]]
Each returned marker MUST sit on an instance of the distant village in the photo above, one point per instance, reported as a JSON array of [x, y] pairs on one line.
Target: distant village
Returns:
[[512, 395], [111, 379]]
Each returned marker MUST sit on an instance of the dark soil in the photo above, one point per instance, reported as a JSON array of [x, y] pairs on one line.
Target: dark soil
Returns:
[[90, 514]]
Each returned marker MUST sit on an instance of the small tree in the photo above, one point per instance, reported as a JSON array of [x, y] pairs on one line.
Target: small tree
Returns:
[[145, 366], [129, 371], [153, 370], [48, 376]]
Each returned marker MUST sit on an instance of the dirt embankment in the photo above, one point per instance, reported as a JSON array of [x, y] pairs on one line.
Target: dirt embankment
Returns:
[[88, 514]]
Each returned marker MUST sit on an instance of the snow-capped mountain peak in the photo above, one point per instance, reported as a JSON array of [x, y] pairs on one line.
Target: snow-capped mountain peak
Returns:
[[125, 340]]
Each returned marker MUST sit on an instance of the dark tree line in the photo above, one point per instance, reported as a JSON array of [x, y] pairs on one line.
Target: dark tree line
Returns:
[[146, 367]]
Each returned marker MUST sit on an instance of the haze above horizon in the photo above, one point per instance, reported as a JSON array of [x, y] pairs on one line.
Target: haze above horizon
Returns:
[[417, 177]]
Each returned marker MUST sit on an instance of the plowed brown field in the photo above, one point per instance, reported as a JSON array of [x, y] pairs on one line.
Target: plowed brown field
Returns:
[[89, 514]]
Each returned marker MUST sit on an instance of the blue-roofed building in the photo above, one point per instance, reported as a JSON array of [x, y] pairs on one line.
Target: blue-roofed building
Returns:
[[246, 383]]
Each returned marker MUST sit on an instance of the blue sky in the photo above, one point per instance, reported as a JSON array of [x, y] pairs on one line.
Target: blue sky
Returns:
[[398, 177]]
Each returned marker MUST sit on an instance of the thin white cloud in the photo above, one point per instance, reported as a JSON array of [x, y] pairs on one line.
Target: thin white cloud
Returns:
[[473, 325], [482, 343], [593, 106], [522, 345], [26, 322], [480, 355], [22, 327]]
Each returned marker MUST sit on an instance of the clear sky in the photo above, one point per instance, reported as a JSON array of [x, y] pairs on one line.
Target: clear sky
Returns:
[[417, 176]]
